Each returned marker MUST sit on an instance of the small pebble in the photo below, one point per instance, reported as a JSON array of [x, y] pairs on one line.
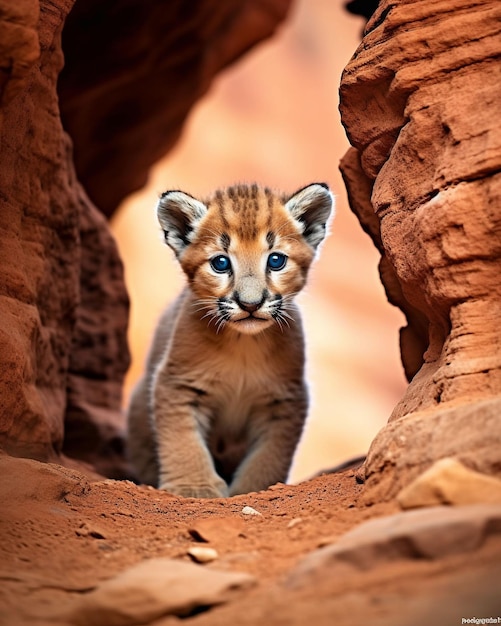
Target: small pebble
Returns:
[[294, 522], [203, 555], [248, 510], [85, 530]]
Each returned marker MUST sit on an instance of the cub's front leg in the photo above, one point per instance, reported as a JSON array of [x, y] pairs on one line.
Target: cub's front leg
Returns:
[[275, 432], [186, 467]]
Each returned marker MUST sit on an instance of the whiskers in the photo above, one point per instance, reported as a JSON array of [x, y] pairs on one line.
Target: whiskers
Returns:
[[282, 312], [280, 319], [215, 311]]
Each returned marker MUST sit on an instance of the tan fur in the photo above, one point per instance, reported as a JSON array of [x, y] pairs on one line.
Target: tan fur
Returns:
[[223, 401]]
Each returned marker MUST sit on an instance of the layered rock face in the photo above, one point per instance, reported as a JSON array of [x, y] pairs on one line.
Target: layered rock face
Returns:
[[63, 302], [420, 103]]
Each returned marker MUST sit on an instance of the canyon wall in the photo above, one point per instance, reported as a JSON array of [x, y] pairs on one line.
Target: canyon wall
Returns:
[[420, 104], [63, 304], [134, 69]]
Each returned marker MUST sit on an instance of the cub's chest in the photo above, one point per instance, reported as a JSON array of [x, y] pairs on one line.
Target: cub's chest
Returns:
[[239, 390], [241, 375], [245, 370]]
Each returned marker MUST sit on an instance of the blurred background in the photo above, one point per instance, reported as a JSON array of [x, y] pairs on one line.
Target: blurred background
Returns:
[[273, 118]]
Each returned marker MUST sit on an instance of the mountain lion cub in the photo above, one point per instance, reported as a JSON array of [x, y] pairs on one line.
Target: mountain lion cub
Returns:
[[223, 401]]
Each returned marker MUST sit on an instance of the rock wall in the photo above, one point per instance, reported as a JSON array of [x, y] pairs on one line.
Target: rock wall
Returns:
[[125, 99], [63, 349], [63, 302], [421, 107]]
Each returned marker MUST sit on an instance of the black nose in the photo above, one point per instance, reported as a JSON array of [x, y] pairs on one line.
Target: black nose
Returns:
[[250, 307]]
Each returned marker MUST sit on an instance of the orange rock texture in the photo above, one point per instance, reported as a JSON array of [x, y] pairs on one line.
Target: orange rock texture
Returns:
[[63, 304], [420, 103]]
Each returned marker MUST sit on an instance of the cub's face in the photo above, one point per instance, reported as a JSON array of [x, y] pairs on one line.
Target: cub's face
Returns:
[[246, 251]]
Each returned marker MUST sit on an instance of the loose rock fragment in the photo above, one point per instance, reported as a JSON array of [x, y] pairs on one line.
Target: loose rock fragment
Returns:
[[276, 487], [30, 480], [152, 589], [88, 530], [294, 522], [429, 533], [449, 482], [202, 554], [248, 510]]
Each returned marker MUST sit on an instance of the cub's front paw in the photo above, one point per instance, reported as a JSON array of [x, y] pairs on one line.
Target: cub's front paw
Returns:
[[196, 491]]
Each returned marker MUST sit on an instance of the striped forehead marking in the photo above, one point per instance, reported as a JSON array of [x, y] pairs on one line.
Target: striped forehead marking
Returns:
[[270, 239], [246, 212], [225, 241]]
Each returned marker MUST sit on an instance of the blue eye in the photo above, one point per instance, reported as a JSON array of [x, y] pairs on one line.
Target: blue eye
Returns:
[[276, 261], [220, 264]]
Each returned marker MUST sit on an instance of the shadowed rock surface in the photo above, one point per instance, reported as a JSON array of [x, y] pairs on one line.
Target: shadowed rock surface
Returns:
[[125, 100], [63, 349]]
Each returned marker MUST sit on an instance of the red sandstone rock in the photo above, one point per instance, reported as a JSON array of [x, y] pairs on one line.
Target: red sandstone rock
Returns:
[[20, 46], [125, 99], [448, 481], [99, 358], [39, 226], [420, 102], [63, 304], [429, 533], [152, 589]]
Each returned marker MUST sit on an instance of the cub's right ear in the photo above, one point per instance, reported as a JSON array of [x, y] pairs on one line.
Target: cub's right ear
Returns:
[[179, 214]]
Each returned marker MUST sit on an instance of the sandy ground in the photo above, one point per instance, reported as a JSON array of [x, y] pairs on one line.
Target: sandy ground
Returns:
[[62, 533]]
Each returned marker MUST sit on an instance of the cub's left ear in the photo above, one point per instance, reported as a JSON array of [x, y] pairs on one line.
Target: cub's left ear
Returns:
[[312, 207]]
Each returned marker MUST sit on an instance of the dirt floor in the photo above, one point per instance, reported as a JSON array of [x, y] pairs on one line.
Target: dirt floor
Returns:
[[62, 533]]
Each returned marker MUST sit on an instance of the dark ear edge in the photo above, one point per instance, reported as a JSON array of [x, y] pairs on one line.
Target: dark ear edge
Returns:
[[324, 185], [312, 206], [179, 214]]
